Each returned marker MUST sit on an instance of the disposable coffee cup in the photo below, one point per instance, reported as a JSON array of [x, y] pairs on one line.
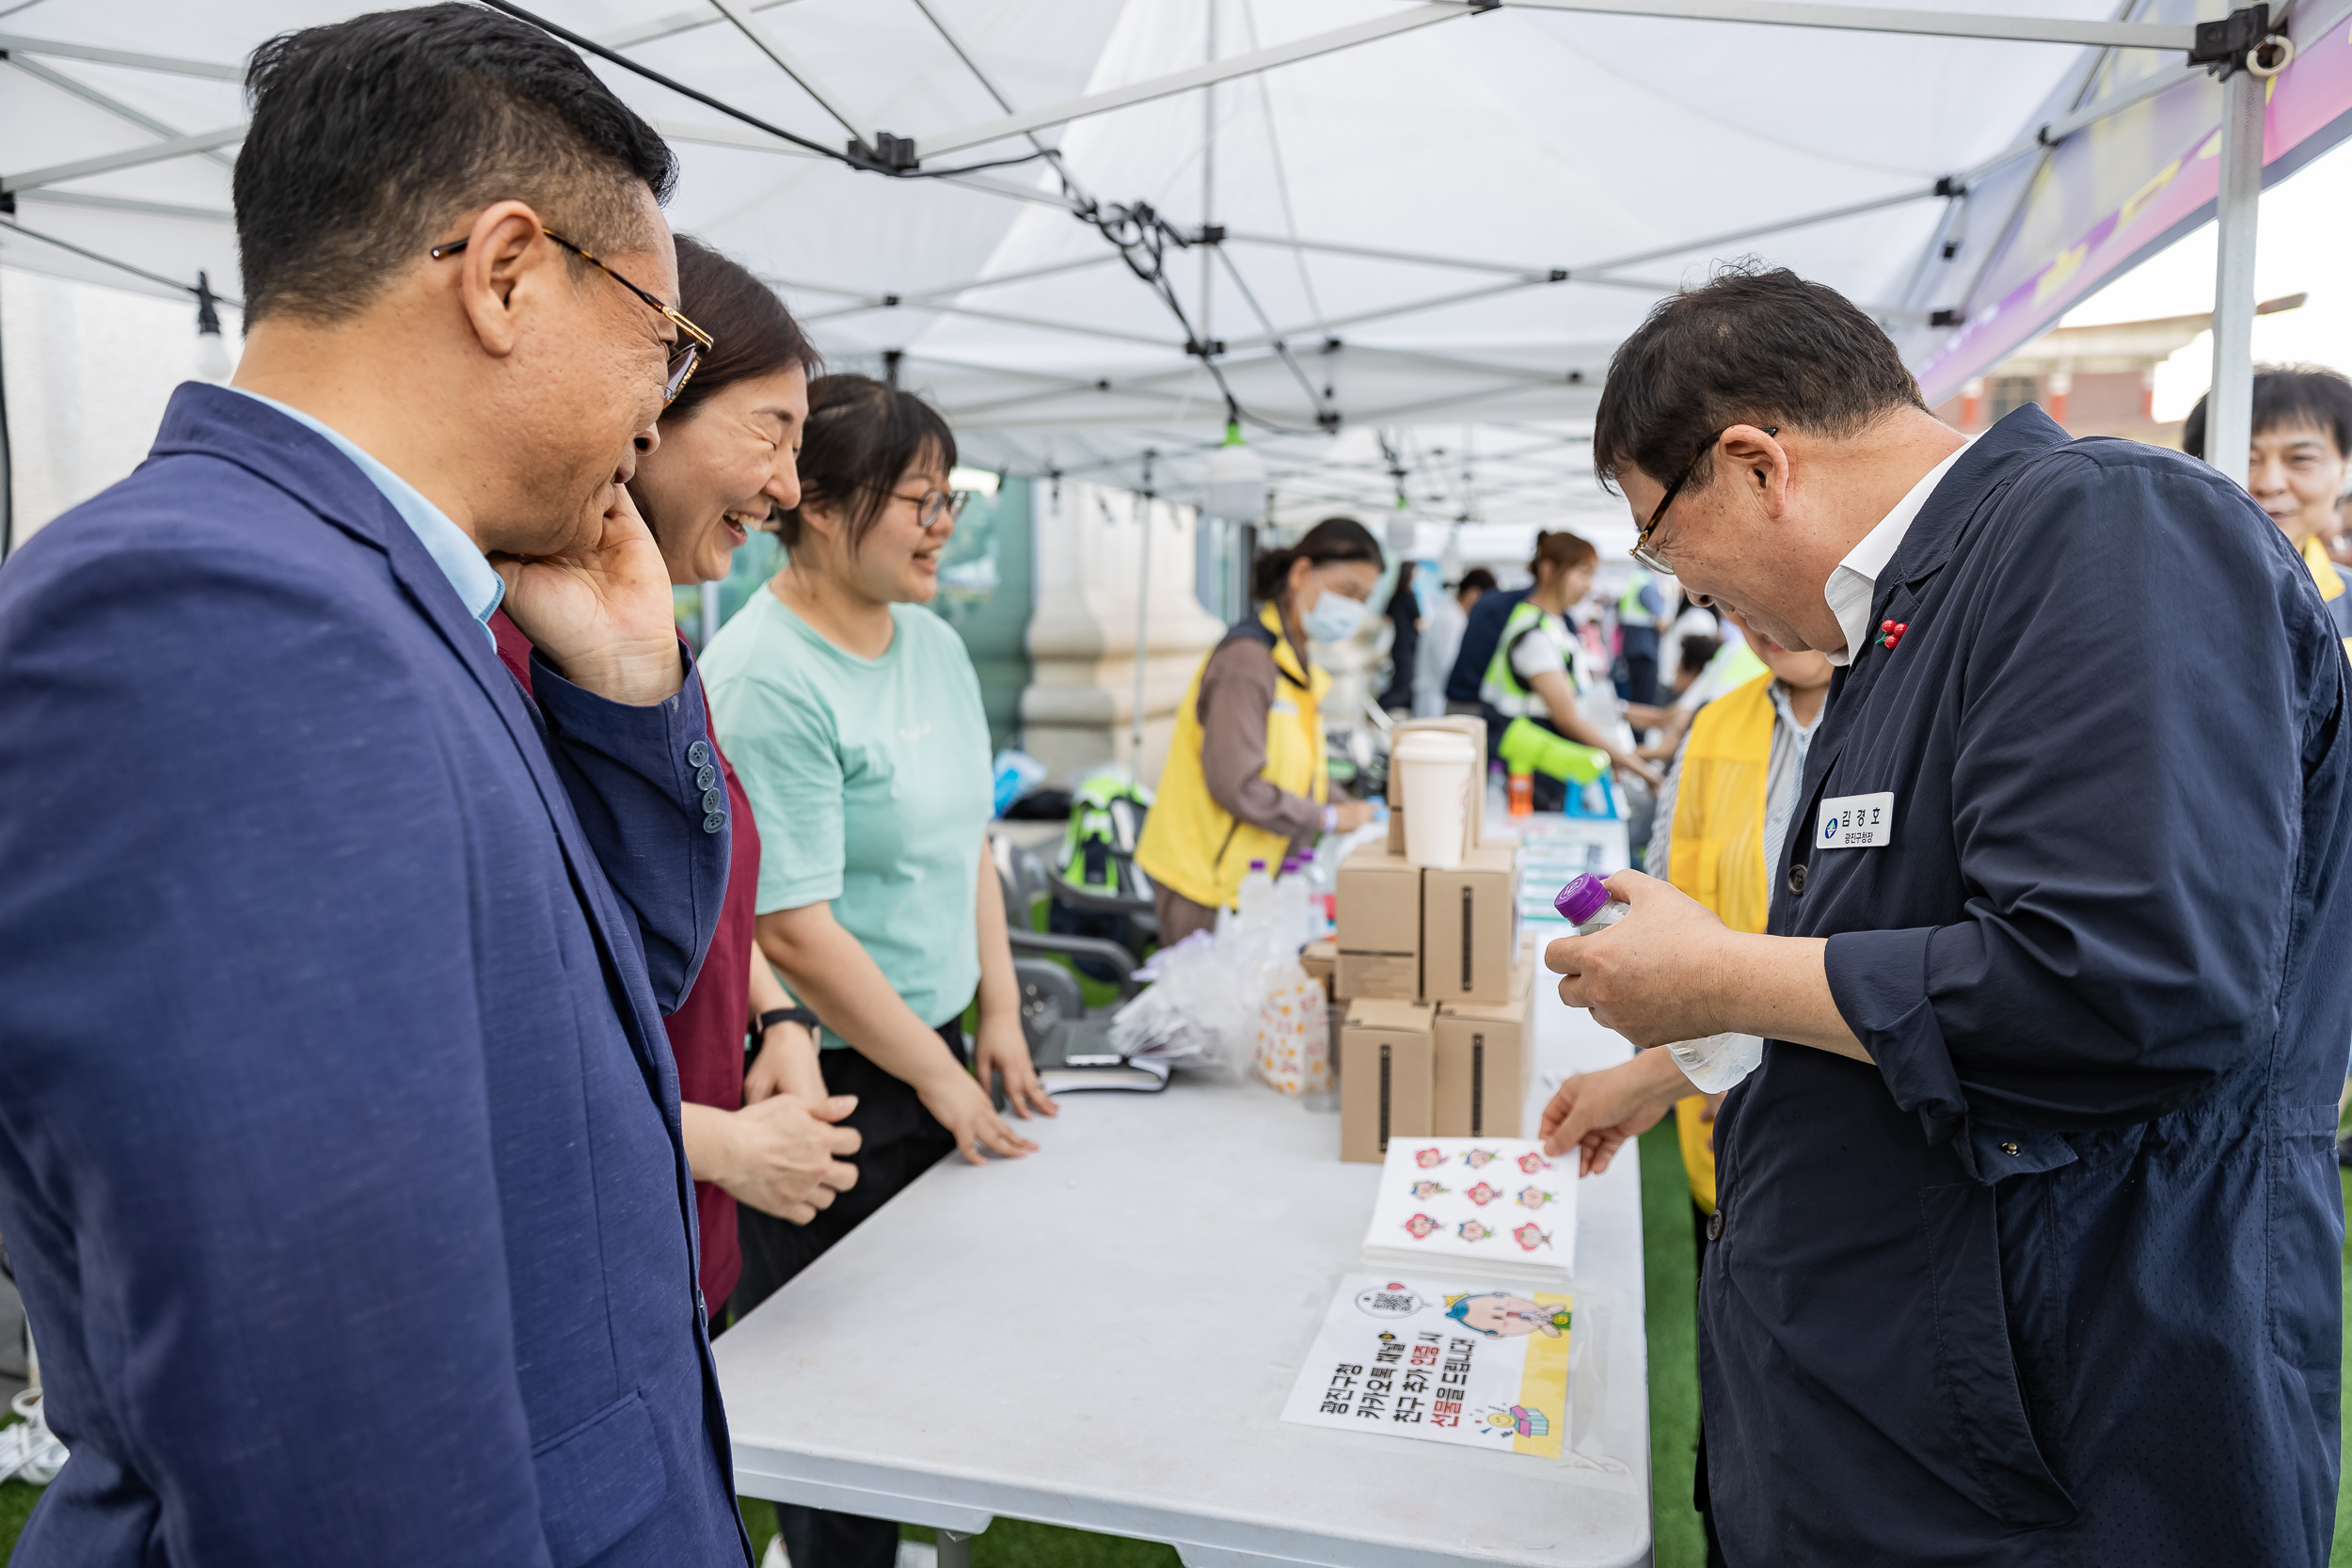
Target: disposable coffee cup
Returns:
[[1434, 772]]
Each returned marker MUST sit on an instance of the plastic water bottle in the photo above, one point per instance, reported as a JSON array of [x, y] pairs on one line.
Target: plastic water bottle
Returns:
[[1255, 904], [1290, 905], [1713, 1064]]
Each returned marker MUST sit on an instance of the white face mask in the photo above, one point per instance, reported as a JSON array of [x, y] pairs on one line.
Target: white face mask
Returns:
[[1334, 617]]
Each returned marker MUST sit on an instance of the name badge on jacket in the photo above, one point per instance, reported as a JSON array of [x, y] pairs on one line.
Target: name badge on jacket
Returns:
[[1856, 822]]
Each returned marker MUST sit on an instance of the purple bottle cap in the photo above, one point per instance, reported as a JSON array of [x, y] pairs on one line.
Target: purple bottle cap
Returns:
[[1581, 898], [1257, 865]]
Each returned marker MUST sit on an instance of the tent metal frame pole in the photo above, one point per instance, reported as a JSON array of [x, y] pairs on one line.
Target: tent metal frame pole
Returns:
[[1198, 76], [136, 157], [17, 44], [1865, 19], [107, 102], [92, 200], [2238, 208], [771, 46], [675, 23]]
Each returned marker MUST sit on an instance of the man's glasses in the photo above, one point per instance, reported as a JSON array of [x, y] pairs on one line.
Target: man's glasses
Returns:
[[1655, 560], [692, 344], [934, 505]]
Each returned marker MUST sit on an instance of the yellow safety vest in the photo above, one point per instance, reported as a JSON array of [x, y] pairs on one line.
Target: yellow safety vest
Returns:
[[1717, 853], [2330, 584], [1196, 847]]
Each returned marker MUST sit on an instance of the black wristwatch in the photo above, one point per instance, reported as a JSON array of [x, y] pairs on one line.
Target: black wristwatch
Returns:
[[774, 1016]]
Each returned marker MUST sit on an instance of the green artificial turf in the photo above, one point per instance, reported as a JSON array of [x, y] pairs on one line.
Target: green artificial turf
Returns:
[[1670, 1285]]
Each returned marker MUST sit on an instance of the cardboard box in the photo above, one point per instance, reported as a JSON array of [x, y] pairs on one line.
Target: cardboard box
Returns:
[[1377, 908], [1486, 1059], [1319, 959], [1386, 1076], [1462, 723], [1470, 927]]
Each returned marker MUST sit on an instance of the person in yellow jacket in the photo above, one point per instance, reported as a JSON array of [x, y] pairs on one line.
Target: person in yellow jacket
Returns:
[[2296, 466], [1244, 778], [1723, 816]]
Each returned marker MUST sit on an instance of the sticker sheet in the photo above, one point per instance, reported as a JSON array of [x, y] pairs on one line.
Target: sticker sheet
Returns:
[[1481, 1366], [1481, 1202]]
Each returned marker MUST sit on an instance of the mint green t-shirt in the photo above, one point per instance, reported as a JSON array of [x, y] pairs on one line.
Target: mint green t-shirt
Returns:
[[869, 781]]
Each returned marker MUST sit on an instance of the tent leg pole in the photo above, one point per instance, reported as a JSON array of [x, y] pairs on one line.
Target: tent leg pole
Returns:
[[2229, 405], [1143, 641], [955, 1550]]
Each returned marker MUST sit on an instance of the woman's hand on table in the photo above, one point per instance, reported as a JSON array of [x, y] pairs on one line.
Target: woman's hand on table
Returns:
[[787, 1063], [956, 1098], [783, 1155], [1595, 1112], [1003, 1050]]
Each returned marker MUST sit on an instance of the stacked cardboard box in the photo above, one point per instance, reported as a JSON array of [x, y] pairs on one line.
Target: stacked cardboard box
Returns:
[[1378, 903], [1388, 1076], [1484, 1058]]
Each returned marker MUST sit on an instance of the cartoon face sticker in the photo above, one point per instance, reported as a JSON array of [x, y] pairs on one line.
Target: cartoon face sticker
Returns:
[[1423, 1191], [1483, 1194], [1421, 1227], [1518, 1421], [1532, 1197], [1530, 1238], [1429, 1159], [1471, 1230], [1499, 1315], [1479, 1159], [1532, 1162]]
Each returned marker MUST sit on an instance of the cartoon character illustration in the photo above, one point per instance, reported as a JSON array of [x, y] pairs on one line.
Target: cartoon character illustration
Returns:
[[1421, 1227], [1483, 1194], [1423, 1191], [1531, 1162], [1520, 1422], [1429, 1159], [1499, 1315], [1530, 1238], [1532, 1197], [1471, 1230], [1478, 1159]]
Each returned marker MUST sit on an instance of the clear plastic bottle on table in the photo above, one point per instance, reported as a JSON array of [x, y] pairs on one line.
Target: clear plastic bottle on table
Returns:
[[1713, 1064]]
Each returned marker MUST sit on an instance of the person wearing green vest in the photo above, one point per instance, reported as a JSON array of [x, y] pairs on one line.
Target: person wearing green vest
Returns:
[[1540, 671]]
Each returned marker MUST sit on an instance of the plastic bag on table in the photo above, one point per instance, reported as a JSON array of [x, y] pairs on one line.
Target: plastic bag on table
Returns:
[[1191, 1016], [1292, 1045]]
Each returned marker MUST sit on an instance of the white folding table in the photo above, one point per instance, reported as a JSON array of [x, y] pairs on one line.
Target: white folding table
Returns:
[[1101, 1335]]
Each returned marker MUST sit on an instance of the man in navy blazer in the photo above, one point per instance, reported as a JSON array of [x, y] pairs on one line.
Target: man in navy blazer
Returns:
[[339, 1134], [2028, 1234]]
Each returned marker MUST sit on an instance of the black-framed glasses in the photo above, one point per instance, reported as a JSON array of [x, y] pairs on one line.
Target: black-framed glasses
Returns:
[[1641, 551], [692, 344], [932, 505]]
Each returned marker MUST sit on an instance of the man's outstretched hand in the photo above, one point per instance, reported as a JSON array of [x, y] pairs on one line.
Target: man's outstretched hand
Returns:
[[1595, 1112]]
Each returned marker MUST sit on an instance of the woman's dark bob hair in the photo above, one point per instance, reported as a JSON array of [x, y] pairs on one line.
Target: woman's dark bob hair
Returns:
[[1331, 540], [752, 334], [863, 436]]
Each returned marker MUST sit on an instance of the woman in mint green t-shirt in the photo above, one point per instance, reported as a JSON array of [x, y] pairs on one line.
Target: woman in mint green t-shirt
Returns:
[[853, 719]]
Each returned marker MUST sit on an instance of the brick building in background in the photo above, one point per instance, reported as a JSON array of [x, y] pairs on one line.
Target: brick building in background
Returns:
[[2094, 380]]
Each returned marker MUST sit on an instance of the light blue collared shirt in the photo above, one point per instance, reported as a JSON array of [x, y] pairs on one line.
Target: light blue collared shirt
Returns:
[[479, 586]]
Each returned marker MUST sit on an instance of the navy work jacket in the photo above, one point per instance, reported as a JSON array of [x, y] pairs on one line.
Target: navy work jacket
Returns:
[[338, 1131], [2054, 1281]]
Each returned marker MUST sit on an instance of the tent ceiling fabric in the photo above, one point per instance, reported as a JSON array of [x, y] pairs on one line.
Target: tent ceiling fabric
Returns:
[[1396, 213]]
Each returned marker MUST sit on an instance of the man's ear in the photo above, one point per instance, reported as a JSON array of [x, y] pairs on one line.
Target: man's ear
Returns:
[[506, 259], [1764, 464]]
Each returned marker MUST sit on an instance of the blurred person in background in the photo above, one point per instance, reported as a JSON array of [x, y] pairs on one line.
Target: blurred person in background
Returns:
[[1640, 610], [1404, 614], [1441, 641], [1244, 778], [854, 720], [1482, 628], [2295, 464], [726, 461], [1540, 671]]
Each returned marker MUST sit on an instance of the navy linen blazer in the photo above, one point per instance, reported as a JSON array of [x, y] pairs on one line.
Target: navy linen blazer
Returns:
[[2054, 1281], [339, 1134]]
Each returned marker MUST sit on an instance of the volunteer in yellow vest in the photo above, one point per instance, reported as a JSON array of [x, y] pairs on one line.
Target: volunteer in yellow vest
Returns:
[[1244, 776], [1541, 671], [1722, 818], [2296, 465]]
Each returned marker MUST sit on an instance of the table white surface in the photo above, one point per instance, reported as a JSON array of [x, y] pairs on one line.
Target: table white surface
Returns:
[[1101, 1335]]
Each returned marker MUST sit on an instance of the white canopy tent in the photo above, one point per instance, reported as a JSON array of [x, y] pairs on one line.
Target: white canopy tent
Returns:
[[1438, 218]]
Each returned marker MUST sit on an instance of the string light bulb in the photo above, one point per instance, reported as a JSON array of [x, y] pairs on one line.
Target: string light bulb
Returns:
[[213, 359], [1236, 478]]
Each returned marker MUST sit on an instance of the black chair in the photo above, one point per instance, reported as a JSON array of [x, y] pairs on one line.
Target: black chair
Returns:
[[1054, 1014]]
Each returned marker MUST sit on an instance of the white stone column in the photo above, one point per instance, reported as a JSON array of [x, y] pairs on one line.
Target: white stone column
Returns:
[[1077, 711]]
